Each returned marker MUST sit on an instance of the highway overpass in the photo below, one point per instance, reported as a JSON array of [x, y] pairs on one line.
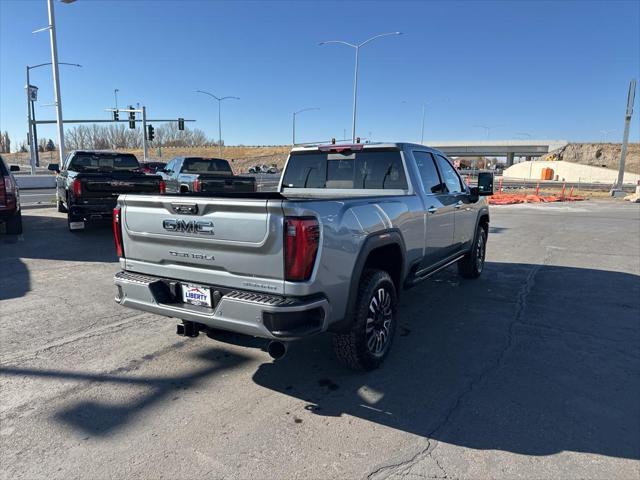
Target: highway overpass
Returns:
[[497, 148]]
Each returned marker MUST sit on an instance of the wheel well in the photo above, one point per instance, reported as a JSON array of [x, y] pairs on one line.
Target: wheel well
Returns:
[[389, 259], [484, 222]]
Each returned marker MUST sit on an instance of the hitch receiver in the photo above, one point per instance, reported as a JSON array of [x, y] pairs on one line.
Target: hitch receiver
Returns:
[[187, 329]]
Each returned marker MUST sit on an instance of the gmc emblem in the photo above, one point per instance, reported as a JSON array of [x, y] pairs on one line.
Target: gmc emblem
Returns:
[[188, 226]]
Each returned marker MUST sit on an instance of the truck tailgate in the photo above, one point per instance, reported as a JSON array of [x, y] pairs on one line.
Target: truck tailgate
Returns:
[[230, 242], [114, 184], [219, 183]]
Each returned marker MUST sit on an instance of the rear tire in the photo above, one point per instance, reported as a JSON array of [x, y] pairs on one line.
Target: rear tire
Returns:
[[61, 207], [472, 264], [14, 224], [368, 341]]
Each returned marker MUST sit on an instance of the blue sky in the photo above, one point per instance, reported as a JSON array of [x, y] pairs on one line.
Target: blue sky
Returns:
[[549, 69]]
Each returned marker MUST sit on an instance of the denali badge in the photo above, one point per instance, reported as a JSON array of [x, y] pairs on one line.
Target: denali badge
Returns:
[[195, 256], [188, 226]]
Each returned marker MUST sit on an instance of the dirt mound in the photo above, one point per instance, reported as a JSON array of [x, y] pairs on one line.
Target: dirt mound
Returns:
[[598, 155], [243, 157]]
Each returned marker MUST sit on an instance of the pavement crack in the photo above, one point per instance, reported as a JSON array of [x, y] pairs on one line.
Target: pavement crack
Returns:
[[83, 335], [520, 307]]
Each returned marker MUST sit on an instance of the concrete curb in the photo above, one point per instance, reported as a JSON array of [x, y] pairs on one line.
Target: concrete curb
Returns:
[[35, 181], [32, 206]]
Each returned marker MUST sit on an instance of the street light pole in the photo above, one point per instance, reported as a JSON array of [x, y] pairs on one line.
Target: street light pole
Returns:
[[488, 128], [32, 161], [219, 99], [56, 80], [355, 96], [355, 76], [33, 135], [115, 94], [220, 127], [631, 95], [422, 134], [294, 121]]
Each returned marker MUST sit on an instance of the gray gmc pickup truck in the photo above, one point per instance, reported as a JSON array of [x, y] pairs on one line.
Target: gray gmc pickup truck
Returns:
[[349, 228]]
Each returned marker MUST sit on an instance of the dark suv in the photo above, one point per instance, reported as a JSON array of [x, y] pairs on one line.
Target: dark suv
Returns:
[[10, 212]]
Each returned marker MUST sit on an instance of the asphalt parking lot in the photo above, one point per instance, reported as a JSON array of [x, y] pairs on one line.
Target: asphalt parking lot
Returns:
[[532, 371]]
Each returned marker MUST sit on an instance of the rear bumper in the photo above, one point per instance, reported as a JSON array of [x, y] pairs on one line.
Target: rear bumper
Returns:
[[7, 213], [249, 313], [94, 210]]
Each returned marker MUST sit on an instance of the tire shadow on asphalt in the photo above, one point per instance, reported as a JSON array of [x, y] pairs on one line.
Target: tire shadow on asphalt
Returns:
[[530, 359]]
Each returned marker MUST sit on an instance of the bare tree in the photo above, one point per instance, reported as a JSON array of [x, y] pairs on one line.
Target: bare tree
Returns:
[[42, 144], [118, 136], [5, 143]]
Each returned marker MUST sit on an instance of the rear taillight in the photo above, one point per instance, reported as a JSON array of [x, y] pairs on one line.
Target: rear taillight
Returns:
[[76, 187], [9, 193], [9, 187], [117, 231], [196, 185], [301, 238], [163, 187]]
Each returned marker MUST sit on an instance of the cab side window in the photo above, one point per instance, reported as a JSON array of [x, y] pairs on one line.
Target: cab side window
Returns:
[[170, 166], [449, 175], [67, 161], [428, 172]]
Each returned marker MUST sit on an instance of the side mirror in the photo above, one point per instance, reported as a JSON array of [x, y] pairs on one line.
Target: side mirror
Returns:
[[14, 168], [54, 167], [485, 184]]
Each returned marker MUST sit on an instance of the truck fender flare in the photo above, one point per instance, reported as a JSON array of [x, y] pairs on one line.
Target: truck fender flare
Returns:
[[484, 212], [370, 243], [481, 213]]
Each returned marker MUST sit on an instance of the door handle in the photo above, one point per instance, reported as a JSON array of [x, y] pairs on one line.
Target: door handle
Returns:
[[432, 210]]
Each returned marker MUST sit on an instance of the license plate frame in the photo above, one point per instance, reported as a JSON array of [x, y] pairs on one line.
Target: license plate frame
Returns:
[[194, 294]]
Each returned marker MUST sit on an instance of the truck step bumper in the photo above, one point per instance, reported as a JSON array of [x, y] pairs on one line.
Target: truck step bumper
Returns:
[[249, 313]]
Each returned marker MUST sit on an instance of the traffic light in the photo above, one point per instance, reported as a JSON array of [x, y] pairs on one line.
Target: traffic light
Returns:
[[151, 133], [116, 115], [132, 118], [181, 124]]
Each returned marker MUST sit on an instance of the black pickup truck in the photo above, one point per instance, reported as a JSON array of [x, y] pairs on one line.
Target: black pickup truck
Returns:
[[88, 185], [204, 175]]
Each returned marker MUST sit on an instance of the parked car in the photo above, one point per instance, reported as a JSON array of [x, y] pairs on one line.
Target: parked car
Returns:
[[263, 169], [90, 181], [10, 213], [350, 227], [204, 175], [152, 167]]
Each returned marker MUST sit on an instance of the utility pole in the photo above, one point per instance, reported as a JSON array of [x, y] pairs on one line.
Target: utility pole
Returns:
[[144, 133], [617, 191]]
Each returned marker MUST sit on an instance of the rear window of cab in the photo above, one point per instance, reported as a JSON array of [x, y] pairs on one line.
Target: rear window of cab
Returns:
[[364, 169]]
